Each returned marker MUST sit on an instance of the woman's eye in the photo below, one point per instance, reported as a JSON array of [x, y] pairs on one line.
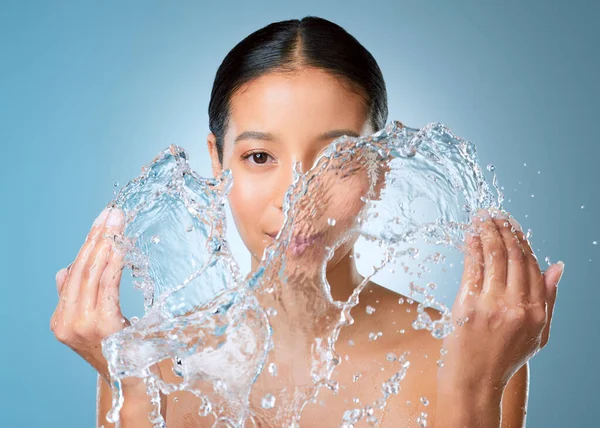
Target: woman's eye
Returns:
[[258, 158]]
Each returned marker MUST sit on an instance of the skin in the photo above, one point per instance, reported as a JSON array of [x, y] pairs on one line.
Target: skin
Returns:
[[296, 111], [509, 302]]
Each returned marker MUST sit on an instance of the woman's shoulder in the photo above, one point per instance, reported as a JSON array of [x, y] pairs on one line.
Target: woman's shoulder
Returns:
[[392, 311]]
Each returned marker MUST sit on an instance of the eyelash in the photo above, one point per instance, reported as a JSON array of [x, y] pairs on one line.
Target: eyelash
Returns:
[[247, 156]]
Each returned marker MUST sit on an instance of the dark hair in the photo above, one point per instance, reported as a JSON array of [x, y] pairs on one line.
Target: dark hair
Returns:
[[287, 46]]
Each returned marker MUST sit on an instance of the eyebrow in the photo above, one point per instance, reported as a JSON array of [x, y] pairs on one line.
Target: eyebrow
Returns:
[[266, 136]]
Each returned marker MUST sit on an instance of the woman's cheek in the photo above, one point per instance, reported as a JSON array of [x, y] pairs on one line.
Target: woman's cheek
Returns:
[[347, 202], [247, 206]]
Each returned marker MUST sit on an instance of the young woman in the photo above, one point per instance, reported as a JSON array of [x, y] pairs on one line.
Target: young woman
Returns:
[[281, 96]]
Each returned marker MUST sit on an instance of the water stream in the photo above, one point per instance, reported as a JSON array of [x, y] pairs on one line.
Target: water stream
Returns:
[[261, 347]]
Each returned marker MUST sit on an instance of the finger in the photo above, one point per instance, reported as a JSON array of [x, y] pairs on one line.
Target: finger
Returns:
[[473, 264], [72, 286], [552, 277], [98, 262], [108, 293], [537, 293], [61, 276], [472, 277], [494, 256], [517, 275]]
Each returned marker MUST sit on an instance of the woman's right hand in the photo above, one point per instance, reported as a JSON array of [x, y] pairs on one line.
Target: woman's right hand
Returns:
[[88, 309]]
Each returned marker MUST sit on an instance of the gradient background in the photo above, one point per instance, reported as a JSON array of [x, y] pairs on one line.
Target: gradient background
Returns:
[[91, 91]]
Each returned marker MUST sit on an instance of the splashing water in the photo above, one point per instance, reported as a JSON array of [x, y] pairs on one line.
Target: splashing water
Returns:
[[395, 188]]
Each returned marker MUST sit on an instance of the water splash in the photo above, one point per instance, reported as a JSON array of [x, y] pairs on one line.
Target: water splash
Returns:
[[395, 188]]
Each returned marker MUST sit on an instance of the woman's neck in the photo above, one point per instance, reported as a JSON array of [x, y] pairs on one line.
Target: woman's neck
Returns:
[[343, 278]]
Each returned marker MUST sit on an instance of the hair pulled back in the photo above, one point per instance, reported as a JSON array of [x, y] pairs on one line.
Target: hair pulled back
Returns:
[[288, 46]]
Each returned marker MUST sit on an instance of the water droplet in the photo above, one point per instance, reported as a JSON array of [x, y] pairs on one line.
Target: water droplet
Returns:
[[116, 184], [533, 195], [425, 401], [595, 242], [491, 167], [525, 164], [370, 310], [372, 420], [273, 369], [155, 239], [205, 408], [583, 206], [268, 401], [331, 221]]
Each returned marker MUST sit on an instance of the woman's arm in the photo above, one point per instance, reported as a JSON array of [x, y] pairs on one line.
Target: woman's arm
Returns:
[[514, 399], [485, 407], [503, 313]]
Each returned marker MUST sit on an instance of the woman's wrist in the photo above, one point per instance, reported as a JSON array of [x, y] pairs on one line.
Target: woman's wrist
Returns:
[[468, 407]]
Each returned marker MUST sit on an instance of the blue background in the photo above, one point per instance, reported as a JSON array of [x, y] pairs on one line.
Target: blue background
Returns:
[[91, 91]]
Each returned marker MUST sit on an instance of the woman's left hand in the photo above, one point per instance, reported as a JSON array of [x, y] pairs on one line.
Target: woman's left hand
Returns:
[[502, 311]]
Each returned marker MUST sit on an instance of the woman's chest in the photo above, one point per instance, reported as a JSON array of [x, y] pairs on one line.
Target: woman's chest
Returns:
[[389, 392], [364, 381]]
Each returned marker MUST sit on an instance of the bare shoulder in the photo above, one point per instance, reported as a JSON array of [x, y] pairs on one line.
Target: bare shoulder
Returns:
[[416, 397], [418, 392], [372, 352], [182, 406]]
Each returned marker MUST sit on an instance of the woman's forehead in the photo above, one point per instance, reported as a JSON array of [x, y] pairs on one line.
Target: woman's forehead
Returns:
[[307, 102]]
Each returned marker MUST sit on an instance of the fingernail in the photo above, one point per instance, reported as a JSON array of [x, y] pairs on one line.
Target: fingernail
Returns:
[[59, 273], [100, 219], [562, 270], [479, 216], [496, 213], [115, 217]]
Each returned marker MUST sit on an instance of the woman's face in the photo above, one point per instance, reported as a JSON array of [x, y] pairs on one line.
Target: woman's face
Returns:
[[277, 120]]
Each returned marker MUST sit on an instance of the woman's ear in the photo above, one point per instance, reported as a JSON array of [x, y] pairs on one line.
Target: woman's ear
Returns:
[[217, 168]]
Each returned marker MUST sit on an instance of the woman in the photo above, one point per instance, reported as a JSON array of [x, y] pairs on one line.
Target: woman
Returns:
[[280, 96]]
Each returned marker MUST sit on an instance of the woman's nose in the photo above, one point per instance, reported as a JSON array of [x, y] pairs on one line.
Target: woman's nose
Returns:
[[285, 179]]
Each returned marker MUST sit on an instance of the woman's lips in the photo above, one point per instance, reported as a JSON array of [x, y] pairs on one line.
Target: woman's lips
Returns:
[[299, 244]]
